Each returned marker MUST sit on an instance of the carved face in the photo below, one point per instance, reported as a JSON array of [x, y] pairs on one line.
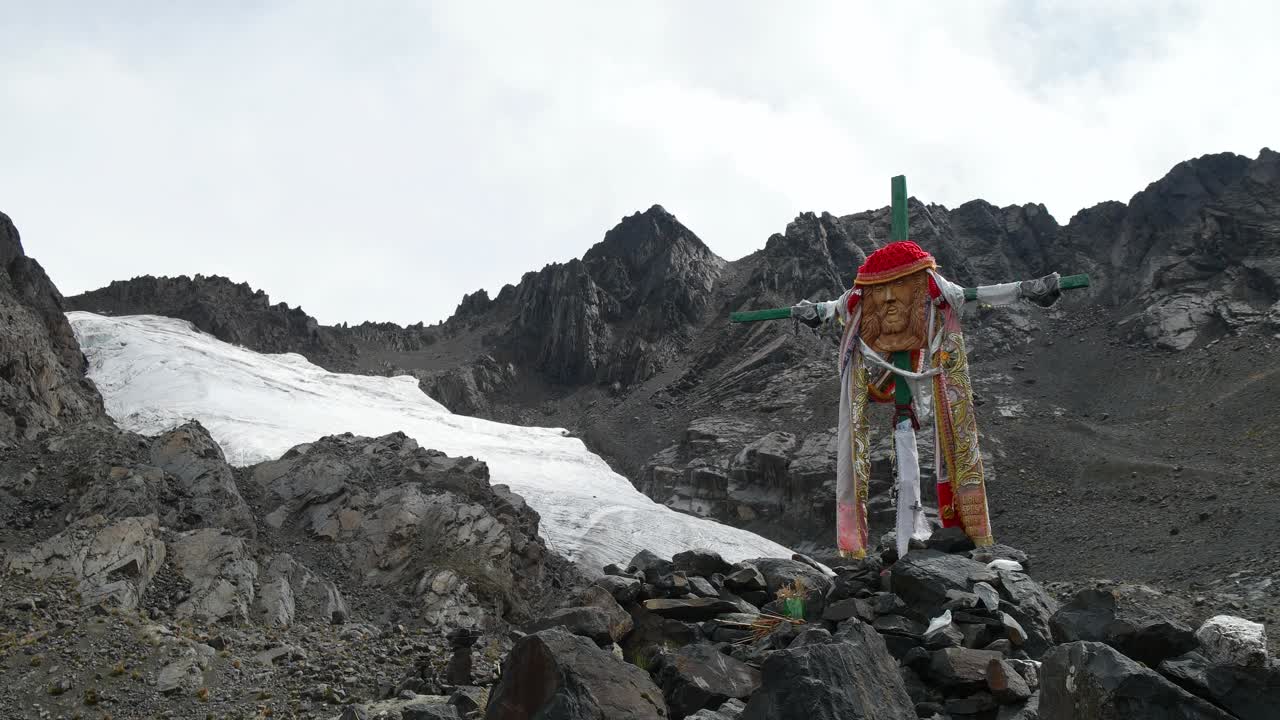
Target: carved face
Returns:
[[893, 313]]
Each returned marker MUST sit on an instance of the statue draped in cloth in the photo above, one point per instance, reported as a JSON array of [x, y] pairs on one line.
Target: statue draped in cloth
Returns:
[[902, 343]]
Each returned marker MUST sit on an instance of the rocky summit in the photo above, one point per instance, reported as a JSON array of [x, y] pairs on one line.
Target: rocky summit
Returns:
[[1141, 393], [354, 578]]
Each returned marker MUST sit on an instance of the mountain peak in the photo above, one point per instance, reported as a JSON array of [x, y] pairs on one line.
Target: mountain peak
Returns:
[[640, 239]]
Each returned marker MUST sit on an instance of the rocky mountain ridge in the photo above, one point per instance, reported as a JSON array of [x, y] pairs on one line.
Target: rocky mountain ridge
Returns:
[[146, 577], [629, 348], [371, 578]]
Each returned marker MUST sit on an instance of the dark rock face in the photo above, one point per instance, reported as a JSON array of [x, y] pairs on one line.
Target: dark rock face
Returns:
[[853, 678], [1137, 631], [649, 274], [201, 473], [403, 514], [1006, 685], [924, 577], [553, 674], [1249, 693], [781, 572], [232, 312], [589, 622], [698, 677], [1092, 681], [466, 390], [42, 371], [1031, 608], [181, 477]]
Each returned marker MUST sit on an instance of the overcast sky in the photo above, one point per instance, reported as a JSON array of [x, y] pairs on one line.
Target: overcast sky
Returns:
[[376, 160]]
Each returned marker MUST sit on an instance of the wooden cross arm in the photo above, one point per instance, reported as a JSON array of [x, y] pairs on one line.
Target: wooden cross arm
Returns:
[[1070, 282]]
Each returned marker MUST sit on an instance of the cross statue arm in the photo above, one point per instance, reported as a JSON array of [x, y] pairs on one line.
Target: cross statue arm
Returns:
[[1043, 291]]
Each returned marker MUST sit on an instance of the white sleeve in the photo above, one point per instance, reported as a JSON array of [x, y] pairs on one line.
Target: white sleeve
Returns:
[[1002, 294]]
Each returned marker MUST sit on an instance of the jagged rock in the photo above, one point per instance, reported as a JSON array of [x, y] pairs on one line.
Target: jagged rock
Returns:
[[923, 578], [554, 674], [204, 481], [852, 607], [122, 492], [689, 609], [1012, 628], [1093, 681], [780, 572], [898, 625], [700, 677], [950, 540], [1249, 693], [385, 501], [758, 476], [975, 636], [1233, 641], [588, 622], [703, 588], [653, 567], [1006, 684], [467, 699], [944, 637], [624, 590], [1031, 607], [221, 571], [702, 563], [1028, 669], [961, 669], [466, 390], [811, 636], [746, 578], [42, 370], [853, 677], [987, 595], [110, 561], [652, 632], [1132, 628], [183, 675], [288, 590], [619, 621], [231, 312]]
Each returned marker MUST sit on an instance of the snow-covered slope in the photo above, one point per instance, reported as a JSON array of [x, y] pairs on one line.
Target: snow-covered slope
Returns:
[[155, 373]]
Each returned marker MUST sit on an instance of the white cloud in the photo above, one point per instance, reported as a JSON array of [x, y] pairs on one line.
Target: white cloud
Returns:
[[376, 161]]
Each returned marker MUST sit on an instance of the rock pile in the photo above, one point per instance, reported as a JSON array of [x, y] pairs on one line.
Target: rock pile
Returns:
[[946, 632], [145, 577]]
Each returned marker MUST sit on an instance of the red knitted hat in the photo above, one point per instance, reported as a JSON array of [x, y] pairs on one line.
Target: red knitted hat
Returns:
[[895, 260]]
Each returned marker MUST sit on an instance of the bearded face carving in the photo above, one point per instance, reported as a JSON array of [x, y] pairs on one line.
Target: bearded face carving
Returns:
[[893, 313]]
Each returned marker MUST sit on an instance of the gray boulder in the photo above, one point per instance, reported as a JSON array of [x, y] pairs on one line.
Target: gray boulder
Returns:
[[1249, 693], [924, 577], [552, 674], [110, 561], [288, 591], [1093, 681], [205, 484], [698, 677], [588, 622], [1134, 629], [221, 571], [853, 678]]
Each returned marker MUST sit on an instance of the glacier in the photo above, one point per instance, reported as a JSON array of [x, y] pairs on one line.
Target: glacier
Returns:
[[155, 373]]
